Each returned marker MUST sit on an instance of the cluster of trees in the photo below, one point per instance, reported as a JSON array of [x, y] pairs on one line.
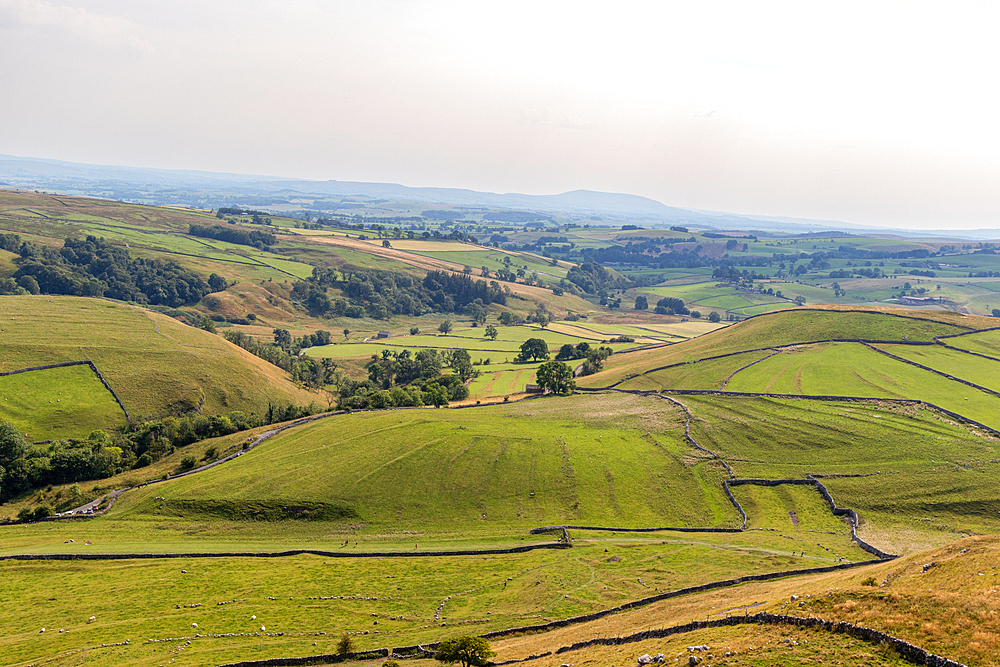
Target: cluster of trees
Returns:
[[670, 305], [594, 357], [284, 353], [250, 237], [24, 466], [403, 379], [591, 277], [381, 294], [94, 267]]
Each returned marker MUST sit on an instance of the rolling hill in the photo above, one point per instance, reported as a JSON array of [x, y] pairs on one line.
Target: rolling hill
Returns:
[[157, 365]]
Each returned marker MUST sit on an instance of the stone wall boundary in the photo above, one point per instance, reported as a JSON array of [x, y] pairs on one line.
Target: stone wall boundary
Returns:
[[291, 552], [743, 368], [870, 312], [908, 651], [932, 370]]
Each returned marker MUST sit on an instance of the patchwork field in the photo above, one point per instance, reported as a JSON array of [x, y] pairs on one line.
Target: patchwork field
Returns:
[[155, 364]]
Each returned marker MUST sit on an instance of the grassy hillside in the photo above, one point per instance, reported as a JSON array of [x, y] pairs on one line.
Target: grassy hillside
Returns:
[[592, 460], [58, 403], [786, 327], [156, 364]]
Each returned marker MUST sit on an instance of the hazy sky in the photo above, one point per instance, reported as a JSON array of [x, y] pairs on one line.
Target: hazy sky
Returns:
[[868, 112]]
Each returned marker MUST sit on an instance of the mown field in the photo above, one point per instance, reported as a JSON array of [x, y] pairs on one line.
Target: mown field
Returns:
[[156, 364]]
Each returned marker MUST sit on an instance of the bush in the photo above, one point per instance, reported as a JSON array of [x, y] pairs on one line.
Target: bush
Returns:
[[41, 512], [345, 645], [188, 462], [696, 314]]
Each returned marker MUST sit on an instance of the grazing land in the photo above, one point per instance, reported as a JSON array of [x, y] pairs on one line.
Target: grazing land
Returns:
[[157, 365], [715, 452]]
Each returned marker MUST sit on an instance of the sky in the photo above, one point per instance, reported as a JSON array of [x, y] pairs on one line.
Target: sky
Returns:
[[879, 113]]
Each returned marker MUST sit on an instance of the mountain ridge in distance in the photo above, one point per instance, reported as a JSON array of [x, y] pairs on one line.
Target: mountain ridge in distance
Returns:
[[213, 189]]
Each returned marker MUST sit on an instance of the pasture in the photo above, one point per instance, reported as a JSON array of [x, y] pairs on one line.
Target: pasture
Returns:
[[156, 364], [784, 328], [58, 403]]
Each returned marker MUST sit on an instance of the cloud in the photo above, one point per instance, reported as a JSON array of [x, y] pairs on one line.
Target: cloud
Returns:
[[107, 31]]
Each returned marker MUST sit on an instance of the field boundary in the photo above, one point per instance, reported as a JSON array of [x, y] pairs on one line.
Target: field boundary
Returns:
[[874, 312], [761, 349], [290, 552], [933, 370], [810, 479], [84, 362], [910, 652]]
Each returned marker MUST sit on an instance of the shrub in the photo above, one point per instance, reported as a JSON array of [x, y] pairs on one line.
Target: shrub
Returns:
[[188, 462], [345, 645], [41, 512]]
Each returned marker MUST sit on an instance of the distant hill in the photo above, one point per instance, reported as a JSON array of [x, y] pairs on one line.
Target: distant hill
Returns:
[[211, 189]]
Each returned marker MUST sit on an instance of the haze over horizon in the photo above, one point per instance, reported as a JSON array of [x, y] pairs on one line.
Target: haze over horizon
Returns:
[[870, 113]]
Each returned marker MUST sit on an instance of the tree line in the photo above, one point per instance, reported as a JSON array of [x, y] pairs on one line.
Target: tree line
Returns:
[[24, 466], [236, 235], [93, 267], [403, 379], [381, 294]]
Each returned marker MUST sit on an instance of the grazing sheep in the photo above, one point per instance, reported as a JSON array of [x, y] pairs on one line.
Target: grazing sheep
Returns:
[[91, 619]]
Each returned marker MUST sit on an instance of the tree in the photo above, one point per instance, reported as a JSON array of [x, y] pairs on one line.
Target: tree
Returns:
[[345, 645], [386, 244], [414, 331], [282, 338], [555, 376], [641, 303], [533, 348], [996, 312], [468, 650], [217, 282], [445, 327], [714, 317], [347, 332], [491, 332], [461, 364]]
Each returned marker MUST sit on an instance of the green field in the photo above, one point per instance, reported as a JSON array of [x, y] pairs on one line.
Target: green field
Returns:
[[850, 369], [370, 487], [782, 328], [58, 403], [155, 364], [934, 479]]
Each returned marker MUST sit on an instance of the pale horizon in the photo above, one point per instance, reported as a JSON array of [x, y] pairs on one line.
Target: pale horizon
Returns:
[[877, 114]]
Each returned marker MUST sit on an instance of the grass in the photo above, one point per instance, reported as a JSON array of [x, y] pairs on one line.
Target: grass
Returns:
[[58, 403], [935, 478], [710, 374], [850, 369], [473, 472], [949, 610], [156, 364], [780, 328]]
